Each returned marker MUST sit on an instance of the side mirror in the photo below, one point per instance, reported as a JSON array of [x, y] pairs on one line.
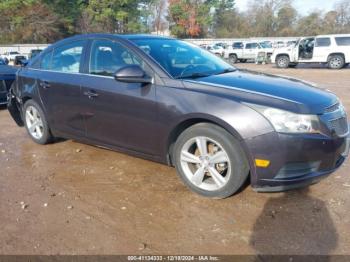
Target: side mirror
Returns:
[[132, 74]]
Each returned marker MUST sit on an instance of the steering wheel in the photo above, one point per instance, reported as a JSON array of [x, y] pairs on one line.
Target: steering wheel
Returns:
[[187, 68]]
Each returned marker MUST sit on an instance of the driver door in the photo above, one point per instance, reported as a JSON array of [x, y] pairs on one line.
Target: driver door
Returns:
[[118, 114]]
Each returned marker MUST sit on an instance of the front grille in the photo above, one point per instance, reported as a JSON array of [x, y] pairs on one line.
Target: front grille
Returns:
[[339, 126], [3, 88], [332, 108]]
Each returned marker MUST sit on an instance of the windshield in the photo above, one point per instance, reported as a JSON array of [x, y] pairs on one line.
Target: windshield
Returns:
[[183, 60]]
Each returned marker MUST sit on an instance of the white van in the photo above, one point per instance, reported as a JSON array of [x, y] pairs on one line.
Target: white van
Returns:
[[333, 50]]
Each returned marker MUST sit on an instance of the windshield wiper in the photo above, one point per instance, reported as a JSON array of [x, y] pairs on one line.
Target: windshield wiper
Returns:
[[225, 71], [193, 75]]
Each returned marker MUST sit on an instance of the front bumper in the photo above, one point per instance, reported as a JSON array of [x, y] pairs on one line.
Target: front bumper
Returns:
[[295, 160]]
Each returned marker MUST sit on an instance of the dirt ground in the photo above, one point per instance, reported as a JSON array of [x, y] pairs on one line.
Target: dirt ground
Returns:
[[70, 198]]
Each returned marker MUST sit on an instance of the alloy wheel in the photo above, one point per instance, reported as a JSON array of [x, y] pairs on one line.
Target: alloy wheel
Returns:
[[205, 163], [336, 62], [34, 122]]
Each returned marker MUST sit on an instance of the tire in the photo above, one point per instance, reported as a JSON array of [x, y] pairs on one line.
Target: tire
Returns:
[[34, 117], [282, 61], [336, 62], [233, 59], [231, 172]]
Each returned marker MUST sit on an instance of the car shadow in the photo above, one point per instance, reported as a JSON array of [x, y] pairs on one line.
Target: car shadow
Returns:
[[3, 107], [294, 223]]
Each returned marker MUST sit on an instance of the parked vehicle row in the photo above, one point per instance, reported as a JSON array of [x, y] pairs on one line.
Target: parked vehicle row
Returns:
[[333, 50], [18, 59], [170, 101], [243, 51]]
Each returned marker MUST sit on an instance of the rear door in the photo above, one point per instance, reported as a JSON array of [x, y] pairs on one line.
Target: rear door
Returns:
[[59, 81], [116, 113], [322, 49], [251, 51]]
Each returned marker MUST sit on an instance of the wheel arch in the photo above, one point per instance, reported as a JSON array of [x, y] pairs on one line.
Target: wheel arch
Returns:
[[282, 54], [335, 53], [184, 124]]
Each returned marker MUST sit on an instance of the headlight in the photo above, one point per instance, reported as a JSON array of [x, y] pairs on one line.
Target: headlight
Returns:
[[288, 122]]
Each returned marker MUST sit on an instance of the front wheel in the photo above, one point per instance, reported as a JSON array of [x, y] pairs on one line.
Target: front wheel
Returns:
[[35, 123], [282, 61], [233, 59], [210, 161]]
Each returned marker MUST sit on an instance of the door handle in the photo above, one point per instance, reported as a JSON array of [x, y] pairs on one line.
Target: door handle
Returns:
[[44, 84], [91, 94]]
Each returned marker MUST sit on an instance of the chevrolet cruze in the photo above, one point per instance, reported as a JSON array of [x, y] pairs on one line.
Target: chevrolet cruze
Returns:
[[169, 101]]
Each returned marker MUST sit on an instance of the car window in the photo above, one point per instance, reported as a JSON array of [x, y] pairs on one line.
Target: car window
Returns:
[[46, 61], [251, 46], [182, 59], [237, 45], [67, 58], [108, 56], [323, 41], [342, 41]]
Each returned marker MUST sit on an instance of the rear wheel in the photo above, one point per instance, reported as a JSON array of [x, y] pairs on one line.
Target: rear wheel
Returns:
[[35, 123], [336, 62], [233, 59], [282, 61], [210, 161]]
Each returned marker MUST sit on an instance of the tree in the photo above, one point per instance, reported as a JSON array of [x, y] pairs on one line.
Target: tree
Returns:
[[29, 21], [343, 16], [159, 21], [114, 16], [189, 18], [310, 25], [285, 20], [262, 16]]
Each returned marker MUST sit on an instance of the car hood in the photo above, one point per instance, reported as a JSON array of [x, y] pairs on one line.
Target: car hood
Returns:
[[271, 90]]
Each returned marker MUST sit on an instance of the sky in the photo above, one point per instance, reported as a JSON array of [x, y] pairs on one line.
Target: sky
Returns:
[[303, 6]]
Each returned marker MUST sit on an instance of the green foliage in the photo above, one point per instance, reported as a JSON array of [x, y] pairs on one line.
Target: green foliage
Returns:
[[40, 21]]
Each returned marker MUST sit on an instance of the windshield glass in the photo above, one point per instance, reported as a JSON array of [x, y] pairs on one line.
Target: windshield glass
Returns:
[[183, 60]]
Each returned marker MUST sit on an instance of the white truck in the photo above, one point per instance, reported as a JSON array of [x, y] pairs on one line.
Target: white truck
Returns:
[[243, 51], [333, 50], [11, 56]]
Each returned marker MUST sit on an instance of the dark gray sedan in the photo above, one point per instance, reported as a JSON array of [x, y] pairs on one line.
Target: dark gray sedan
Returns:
[[7, 76], [170, 101]]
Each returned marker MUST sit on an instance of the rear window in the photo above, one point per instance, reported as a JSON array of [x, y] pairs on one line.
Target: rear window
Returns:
[[324, 41], [342, 41]]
